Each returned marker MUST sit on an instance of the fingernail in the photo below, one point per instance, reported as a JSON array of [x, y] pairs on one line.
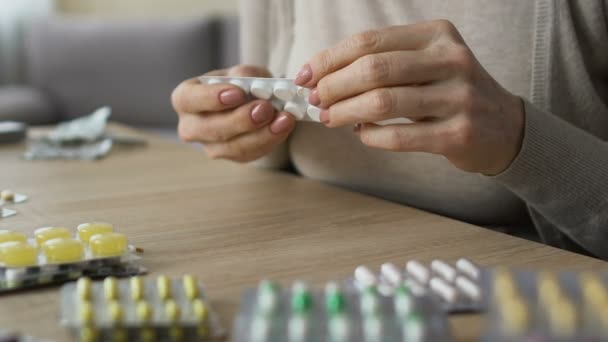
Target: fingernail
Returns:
[[261, 113], [232, 97], [313, 98], [324, 116], [304, 76], [281, 125]]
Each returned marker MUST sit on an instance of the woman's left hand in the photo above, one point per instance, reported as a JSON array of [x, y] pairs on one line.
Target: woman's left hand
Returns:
[[427, 73]]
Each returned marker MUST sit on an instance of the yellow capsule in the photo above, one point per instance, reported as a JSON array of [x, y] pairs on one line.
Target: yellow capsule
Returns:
[[87, 230], [108, 245], [47, 233], [60, 250], [144, 311], [18, 254], [563, 318], [163, 286], [515, 316], [200, 310], [504, 284], [115, 312], [87, 313], [172, 310], [191, 286], [84, 286], [110, 288], [138, 288], [594, 291], [7, 195], [88, 334], [8, 236], [549, 289]]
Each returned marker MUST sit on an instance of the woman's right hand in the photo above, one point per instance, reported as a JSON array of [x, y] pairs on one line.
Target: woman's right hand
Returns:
[[226, 121]]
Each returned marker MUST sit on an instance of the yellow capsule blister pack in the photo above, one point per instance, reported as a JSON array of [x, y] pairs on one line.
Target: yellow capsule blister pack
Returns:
[[139, 309], [56, 255], [546, 306]]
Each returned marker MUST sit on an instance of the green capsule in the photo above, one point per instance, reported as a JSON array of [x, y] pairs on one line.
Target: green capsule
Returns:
[[335, 300]]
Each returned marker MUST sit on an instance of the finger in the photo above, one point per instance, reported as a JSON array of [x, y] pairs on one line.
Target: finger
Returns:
[[413, 137], [413, 102], [193, 97], [245, 70], [253, 145], [223, 126], [405, 37], [382, 70]]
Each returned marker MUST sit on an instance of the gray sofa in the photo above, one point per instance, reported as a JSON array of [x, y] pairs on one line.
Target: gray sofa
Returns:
[[75, 65]]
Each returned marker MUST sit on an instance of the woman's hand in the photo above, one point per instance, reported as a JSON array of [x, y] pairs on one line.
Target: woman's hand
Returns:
[[229, 125], [424, 72]]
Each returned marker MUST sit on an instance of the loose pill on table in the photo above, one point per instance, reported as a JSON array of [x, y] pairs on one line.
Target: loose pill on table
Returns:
[[365, 277], [445, 291], [7, 195], [391, 273], [108, 245], [110, 288], [418, 271], [12, 236], [261, 89], [443, 269], [190, 284], [284, 90], [87, 230], [467, 267], [137, 287], [18, 254], [84, 288], [163, 287], [63, 250], [47, 233]]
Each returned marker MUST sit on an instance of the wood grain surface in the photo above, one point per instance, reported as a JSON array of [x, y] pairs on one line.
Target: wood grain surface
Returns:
[[233, 225]]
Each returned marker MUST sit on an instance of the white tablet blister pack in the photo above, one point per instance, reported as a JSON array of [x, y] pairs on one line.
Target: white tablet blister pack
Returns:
[[281, 92], [456, 287], [5, 212]]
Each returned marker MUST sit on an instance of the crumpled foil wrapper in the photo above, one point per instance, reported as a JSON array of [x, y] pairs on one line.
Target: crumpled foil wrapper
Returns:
[[80, 139]]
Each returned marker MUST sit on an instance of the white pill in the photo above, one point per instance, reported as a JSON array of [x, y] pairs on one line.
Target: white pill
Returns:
[[372, 328], [303, 92], [212, 81], [414, 331], [277, 104], [446, 291], [467, 267], [444, 269], [261, 89], [314, 113], [469, 288], [297, 110], [298, 328], [339, 328], [391, 273], [418, 271], [241, 84], [416, 287], [284, 90], [365, 277], [260, 328]]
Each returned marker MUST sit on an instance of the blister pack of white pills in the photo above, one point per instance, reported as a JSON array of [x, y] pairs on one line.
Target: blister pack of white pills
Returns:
[[281, 92], [456, 287]]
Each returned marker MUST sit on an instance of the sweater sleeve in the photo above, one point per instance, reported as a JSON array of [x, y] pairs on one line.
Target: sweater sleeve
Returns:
[[265, 31], [562, 174]]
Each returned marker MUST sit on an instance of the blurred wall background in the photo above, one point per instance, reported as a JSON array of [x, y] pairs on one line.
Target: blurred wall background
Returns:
[[121, 8]]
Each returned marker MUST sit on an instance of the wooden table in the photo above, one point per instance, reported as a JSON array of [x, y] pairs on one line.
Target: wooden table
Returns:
[[233, 225]]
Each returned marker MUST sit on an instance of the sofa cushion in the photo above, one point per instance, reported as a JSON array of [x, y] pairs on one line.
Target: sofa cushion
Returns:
[[131, 65]]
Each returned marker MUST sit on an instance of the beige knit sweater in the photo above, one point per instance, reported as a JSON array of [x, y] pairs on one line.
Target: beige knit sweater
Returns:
[[552, 53]]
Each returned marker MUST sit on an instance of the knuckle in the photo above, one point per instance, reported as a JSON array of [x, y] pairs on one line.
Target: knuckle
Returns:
[[366, 41], [445, 27], [382, 101], [374, 68], [461, 59], [463, 133], [466, 99]]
